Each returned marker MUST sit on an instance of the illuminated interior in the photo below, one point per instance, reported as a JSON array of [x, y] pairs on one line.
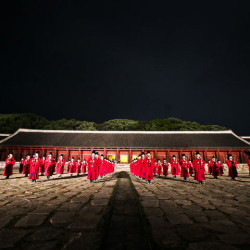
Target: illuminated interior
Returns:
[[124, 158]]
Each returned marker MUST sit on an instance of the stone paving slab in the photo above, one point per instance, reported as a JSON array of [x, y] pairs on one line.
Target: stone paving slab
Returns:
[[121, 211]]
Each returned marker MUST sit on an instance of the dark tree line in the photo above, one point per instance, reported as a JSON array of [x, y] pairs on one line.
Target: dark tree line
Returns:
[[9, 123]]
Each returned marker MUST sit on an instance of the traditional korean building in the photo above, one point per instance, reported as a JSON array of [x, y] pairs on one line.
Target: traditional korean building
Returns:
[[126, 145]]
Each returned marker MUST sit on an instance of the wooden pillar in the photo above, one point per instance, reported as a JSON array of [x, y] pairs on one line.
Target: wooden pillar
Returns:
[[80, 155], [67, 154], [217, 154], [117, 155], [168, 156], [105, 152], [205, 155], [193, 155], [129, 155]]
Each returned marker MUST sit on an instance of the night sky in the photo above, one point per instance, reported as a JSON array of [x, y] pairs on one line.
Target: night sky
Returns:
[[98, 61]]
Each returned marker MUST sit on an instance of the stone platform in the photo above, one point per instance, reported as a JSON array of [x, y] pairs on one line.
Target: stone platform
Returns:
[[121, 211]]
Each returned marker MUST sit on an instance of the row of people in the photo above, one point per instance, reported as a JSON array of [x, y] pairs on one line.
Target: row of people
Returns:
[[139, 167], [31, 167]]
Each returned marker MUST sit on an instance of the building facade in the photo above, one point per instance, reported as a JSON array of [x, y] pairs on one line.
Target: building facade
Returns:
[[123, 146]]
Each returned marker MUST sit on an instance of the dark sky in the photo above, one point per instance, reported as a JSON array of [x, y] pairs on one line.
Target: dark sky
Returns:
[[98, 61]]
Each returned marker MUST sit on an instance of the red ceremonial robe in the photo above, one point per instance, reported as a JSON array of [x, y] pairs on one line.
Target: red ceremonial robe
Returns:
[[34, 168], [165, 166], [71, 167], [215, 168], [149, 165], [175, 167], [84, 167], [48, 166], [21, 166], [141, 167], [92, 162], [184, 168], [159, 168], [41, 170], [232, 168], [9, 163], [60, 166], [102, 169], [199, 168], [78, 167], [98, 163], [26, 166], [191, 168], [210, 167]]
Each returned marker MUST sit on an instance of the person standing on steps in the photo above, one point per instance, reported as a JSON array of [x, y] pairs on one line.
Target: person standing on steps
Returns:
[[60, 166], [26, 165], [175, 166], [215, 168], [78, 166], [92, 167], [159, 168], [34, 167], [165, 166], [150, 164], [221, 168], [9, 163], [184, 167], [49, 162], [199, 168], [232, 167], [71, 166]]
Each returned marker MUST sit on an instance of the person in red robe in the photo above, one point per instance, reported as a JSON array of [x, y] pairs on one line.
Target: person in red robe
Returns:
[[41, 170], [175, 166], [149, 165], [138, 167], [199, 168], [9, 163], [159, 167], [21, 165], [84, 166], [49, 162], [60, 166], [215, 167], [221, 168], [26, 166], [184, 167], [78, 166], [102, 169], [71, 166], [191, 168], [98, 163], [232, 167], [54, 166], [210, 167], [141, 167], [249, 165], [165, 166], [92, 167], [34, 167]]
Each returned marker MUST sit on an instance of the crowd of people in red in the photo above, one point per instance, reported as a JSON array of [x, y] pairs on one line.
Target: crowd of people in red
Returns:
[[145, 167], [96, 166]]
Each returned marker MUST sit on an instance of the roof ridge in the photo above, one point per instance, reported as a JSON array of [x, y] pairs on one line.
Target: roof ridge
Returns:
[[125, 132]]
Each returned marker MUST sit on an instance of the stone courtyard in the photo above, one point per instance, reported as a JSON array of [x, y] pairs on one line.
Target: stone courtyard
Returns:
[[121, 211]]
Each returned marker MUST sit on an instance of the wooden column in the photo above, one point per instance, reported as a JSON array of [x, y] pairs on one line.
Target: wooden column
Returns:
[[205, 155], [117, 155], [129, 156], [167, 156], [155, 155]]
